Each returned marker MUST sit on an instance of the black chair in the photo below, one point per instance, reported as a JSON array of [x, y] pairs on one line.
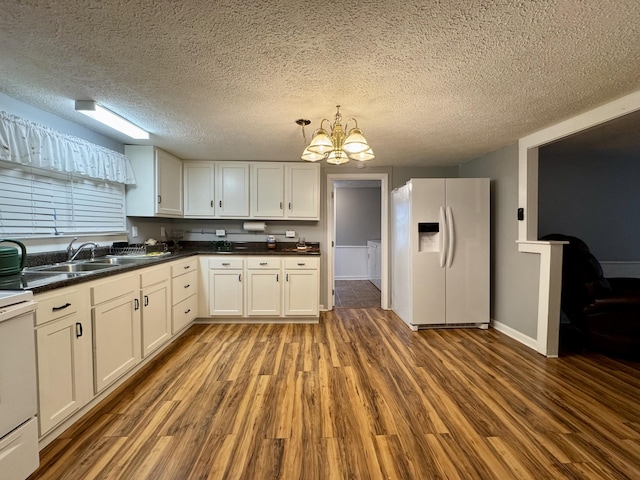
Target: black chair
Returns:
[[606, 311]]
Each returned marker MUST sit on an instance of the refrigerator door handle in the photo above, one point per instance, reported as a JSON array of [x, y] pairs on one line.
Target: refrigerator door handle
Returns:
[[443, 237], [451, 247]]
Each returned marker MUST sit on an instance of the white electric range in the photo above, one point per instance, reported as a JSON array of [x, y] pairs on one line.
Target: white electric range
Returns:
[[18, 398]]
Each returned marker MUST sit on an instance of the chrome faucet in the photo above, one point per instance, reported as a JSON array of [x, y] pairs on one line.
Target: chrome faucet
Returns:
[[93, 246], [70, 249]]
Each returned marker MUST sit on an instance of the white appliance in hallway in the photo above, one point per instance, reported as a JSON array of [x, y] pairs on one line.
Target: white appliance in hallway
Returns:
[[441, 252], [18, 405]]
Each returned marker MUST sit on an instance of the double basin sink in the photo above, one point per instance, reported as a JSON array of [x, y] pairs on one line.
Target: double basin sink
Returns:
[[84, 267]]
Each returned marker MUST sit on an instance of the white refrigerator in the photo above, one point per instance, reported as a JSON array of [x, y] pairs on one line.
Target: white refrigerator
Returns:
[[441, 252]]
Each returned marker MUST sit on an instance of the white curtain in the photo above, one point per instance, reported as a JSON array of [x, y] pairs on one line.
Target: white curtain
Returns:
[[34, 145]]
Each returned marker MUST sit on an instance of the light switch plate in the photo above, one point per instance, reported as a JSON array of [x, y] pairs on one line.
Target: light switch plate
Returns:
[[290, 234], [134, 232]]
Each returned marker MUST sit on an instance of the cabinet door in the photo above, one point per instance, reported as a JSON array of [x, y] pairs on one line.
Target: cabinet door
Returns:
[[301, 293], [57, 345], [232, 189], [169, 184], [303, 191], [199, 193], [225, 293], [263, 292], [116, 335], [156, 328], [267, 190]]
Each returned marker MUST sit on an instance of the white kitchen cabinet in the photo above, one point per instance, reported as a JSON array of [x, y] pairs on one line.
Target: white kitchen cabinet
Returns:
[[158, 188], [116, 329], [63, 349], [199, 189], [232, 189], [184, 288], [156, 310], [226, 287], [301, 286], [302, 191], [264, 290], [267, 190]]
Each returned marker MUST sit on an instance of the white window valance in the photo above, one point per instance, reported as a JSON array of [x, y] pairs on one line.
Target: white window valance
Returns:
[[34, 145]]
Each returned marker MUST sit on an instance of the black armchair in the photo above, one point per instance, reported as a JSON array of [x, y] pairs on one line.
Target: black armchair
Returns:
[[605, 310]]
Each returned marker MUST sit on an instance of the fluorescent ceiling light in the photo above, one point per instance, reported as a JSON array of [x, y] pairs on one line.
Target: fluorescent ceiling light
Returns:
[[98, 112]]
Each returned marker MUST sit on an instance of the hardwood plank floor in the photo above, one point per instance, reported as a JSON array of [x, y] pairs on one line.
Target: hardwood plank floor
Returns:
[[359, 396]]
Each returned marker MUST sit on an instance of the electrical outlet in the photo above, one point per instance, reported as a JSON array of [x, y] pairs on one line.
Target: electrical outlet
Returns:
[[163, 232], [290, 234], [134, 232], [220, 233]]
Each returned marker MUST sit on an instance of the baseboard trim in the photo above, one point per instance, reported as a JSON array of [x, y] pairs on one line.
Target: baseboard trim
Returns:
[[516, 335]]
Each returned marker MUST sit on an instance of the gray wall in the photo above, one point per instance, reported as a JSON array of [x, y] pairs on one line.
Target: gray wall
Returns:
[[514, 275], [595, 198], [357, 216]]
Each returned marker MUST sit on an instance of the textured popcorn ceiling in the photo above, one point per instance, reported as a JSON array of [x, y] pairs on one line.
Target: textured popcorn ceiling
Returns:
[[430, 83]]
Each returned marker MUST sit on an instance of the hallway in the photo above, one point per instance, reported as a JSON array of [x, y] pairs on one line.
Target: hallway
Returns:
[[356, 294]]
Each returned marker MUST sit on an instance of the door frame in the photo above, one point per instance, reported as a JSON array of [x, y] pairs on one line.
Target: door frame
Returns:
[[384, 233], [550, 280]]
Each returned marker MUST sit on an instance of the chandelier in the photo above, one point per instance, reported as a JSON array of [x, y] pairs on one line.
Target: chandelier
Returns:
[[337, 147]]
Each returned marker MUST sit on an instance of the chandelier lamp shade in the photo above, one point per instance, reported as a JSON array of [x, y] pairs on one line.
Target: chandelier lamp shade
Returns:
[[335, 146], [113, 120]]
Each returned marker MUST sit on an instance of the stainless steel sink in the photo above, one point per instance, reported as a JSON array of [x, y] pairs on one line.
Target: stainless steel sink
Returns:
[[122, 260], [84, 267]]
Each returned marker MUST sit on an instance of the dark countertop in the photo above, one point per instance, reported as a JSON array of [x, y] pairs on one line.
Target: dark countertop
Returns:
[[41, 282]]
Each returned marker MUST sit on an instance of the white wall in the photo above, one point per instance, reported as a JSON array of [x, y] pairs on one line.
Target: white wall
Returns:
[[514, 275]]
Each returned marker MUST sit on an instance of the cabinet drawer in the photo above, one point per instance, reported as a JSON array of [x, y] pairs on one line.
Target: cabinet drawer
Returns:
[[184, 267], [153, 275], [184, 312], [268, 263], [301, 263], [184, 286], [114, 288], [225, 263], [57, 306]]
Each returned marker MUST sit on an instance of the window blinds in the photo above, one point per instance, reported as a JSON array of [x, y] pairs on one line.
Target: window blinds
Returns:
[[39, 203]]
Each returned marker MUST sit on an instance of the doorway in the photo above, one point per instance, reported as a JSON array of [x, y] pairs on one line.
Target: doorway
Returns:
[[350, 261]]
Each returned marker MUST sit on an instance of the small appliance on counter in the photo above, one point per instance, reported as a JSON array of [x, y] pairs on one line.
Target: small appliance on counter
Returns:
[[11, 262], [271, 242]]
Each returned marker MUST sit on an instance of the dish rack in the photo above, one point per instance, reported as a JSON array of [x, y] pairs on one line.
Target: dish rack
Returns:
[[139, 249]]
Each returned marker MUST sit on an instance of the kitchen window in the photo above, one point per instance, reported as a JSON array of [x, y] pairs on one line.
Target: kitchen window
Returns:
[[42, 203]]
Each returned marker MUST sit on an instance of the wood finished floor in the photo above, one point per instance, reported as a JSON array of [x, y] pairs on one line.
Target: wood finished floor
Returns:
[[359, 396]]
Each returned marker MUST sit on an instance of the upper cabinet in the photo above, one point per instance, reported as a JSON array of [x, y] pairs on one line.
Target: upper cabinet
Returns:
[[158, 188], [267, 190], [232, 189], [303, 191], [199, 189]]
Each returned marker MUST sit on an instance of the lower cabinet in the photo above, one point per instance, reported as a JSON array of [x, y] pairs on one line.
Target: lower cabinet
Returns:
[[116, 329], [63, 346], [226, 287], [301, 286], [184, 293], [264, 291], [267, 286], [156, 310]]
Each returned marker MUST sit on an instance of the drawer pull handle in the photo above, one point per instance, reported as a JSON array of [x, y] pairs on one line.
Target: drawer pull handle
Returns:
[[264, 263], [225, 264], [287, 277], [186, 266], [212, 203], [187, 311], [239, 277], [146, 300], [301, 264], [136, 304], [61, 307], [280, 205], [78, 330], [277, 277], [187, 285], [159, 198]]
